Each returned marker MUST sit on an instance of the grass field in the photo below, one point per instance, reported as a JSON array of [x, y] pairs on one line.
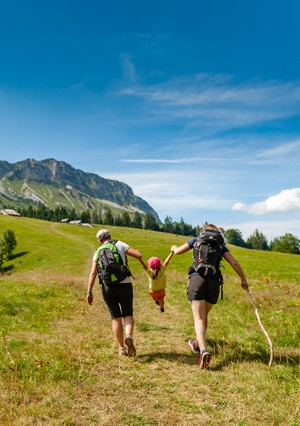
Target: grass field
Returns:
[[59, 364]]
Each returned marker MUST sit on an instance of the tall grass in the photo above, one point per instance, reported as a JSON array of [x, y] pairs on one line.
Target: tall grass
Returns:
[[59, 364]]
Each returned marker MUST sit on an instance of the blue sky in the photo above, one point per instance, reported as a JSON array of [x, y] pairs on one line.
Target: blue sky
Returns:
[[195, 105]]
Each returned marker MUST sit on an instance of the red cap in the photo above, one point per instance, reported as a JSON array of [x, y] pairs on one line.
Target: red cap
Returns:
[[154, 262]]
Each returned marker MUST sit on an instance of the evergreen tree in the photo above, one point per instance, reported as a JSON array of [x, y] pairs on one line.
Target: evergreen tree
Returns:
[[168, 225], [150, 222], [85, 217], [108, 218], [118, 221], [95, 216], [30, 212], [50, 216], [40, 211], [73, 214], [257, 241], [126, 221], [64, 213], [182, 228], [137, 221], [56, 214], [189, 230], [8, 243]]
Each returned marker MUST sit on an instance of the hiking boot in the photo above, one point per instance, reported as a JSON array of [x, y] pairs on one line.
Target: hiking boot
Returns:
[[162, 309], [204, 359], [157, 302], [131, 348], [122, 352], [194, 346]]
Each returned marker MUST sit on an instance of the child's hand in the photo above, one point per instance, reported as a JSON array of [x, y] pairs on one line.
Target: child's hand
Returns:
[[168, 258]]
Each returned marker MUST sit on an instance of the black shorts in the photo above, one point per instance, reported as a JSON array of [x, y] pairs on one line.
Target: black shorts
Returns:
[[119, 299], [200, 288]]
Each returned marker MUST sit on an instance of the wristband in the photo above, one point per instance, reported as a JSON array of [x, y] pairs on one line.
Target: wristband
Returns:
[[88, 292]]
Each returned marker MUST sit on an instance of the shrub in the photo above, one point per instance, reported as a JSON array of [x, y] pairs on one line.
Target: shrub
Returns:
[[8, 244]]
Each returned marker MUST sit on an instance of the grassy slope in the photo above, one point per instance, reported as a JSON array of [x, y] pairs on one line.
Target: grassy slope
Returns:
[[59, 364]]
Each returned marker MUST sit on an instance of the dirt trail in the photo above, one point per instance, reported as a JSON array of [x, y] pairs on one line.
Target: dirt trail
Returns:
[[76, 238]]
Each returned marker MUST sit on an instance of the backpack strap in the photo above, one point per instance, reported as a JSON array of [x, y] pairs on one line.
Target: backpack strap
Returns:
[[126, 261]]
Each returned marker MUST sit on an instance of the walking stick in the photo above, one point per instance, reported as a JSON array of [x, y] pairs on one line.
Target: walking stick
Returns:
[[262, 327]]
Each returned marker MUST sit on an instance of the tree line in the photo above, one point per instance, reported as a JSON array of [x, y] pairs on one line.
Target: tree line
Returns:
[[287, 243], [107, 217]]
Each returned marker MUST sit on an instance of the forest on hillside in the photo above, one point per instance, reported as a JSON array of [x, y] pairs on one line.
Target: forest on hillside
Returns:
[[287, 243]]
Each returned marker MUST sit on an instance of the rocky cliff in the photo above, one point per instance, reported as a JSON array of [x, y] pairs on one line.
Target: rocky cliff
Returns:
[[55, 183]]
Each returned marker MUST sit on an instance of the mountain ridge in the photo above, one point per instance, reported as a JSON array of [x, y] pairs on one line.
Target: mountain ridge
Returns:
[[56, 183]]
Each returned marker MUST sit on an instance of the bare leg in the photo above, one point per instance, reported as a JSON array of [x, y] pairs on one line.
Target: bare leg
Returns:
[[200, 310], [129, 325], [117, 328]]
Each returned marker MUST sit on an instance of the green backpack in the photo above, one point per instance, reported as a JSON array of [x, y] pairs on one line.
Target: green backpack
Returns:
[[110, 265]]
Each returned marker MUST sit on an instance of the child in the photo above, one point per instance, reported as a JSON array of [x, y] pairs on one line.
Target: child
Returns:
[[157, 279]]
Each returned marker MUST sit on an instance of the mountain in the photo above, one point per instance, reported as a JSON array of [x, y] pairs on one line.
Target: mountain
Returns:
[[56, 183]]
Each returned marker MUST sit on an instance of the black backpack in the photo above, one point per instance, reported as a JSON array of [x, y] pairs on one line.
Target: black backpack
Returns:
[[110, 265], [208, 250]]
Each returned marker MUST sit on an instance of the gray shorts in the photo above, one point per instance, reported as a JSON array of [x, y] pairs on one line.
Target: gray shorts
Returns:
[[200, 288]]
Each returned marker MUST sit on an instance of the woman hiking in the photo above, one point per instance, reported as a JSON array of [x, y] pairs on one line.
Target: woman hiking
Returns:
[[204, 288]]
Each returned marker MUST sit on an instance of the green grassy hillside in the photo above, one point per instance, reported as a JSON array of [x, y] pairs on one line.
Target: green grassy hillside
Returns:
[[59, 363]]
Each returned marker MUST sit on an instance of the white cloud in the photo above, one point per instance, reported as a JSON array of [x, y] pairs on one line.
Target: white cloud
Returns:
[[154, 160], [205, 100], [177, 192], [282, 149], [128, 68], [287, 200], [173, 161]]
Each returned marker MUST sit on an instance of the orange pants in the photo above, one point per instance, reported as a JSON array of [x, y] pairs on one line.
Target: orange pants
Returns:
[[157, 294]]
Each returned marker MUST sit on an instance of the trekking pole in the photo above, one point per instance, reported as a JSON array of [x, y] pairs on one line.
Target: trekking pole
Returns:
[[262, 327]]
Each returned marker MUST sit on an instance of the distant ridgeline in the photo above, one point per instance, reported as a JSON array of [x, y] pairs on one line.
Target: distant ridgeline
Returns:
[[52, 184]]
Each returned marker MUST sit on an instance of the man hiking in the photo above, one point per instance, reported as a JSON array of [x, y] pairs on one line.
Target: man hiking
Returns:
[[117, 294]]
